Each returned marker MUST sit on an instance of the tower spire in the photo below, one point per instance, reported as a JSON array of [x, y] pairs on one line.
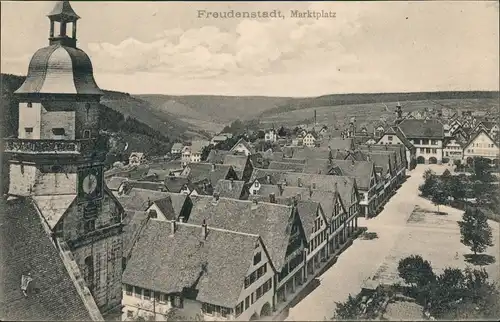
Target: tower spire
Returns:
[[63, 14]]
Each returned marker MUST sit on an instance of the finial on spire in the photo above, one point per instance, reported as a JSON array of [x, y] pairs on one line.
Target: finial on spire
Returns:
[[63, 14]]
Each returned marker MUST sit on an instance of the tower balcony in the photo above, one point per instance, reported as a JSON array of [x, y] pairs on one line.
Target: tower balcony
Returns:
[[43, 147]]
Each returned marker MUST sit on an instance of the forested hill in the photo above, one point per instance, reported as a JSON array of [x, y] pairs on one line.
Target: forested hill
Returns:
[[367, 98], [127, 118]]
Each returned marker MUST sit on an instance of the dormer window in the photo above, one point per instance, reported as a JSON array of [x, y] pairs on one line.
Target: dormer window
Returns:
[[28, 130], [59, 131]]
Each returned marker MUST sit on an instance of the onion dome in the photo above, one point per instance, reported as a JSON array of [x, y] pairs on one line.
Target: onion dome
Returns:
[[60, 68]]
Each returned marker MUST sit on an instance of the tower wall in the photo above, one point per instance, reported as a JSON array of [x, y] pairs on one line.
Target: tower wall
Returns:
[[29, 117], [57, 119], [21, 177], [104, 246]]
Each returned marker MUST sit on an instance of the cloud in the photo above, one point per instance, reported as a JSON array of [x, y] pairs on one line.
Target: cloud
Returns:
[[255, 47]]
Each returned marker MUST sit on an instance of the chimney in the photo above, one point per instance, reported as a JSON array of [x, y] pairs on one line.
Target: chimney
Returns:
[[294, 201], [204, 229], [213, 167], [255, 204], [268, 179], [182, 219], [299, 196], [173, 226], [299, 182], [149, 202], [345, 182], [368, 158], [231, 182], [336, 186], [352, 161], [314, 185], [310, 192], [272, 197]]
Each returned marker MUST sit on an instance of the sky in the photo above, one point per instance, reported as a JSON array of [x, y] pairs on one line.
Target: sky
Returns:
[[170, 48]]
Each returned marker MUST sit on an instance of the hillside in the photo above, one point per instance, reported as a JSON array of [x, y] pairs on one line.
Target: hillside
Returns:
[[369, 98], [213, 112], [368, 114]]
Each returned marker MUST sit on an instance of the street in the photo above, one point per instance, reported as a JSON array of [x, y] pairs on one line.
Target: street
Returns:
[[363, 258]]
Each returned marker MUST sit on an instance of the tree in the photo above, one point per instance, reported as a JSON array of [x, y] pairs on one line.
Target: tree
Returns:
[[439, 197], [446, 175], [475, 231], [416, 271], [349, 310], [456, 188], [261, 134], [206, 151], [430, 186], [481, 168], [428, 174]]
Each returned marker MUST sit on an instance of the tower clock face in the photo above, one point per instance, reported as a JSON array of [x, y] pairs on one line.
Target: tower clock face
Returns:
[[90, 183]]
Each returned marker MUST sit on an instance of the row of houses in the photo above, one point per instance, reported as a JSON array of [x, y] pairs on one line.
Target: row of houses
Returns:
[[225, 258]]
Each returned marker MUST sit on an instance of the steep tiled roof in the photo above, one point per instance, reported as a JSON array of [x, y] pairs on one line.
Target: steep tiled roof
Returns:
[[215, 266], [237, 161], [361, 170], [176, 183], [147, 185], [132, 225], [137, 199], [229, 188], [325, 198], [340, 143], [267, 189], [245, 144], [413, 128], [308, 210], [267, 220], [473, 137], [27, 249], [294, 167], [114, 183], [315, 181], [217, 156], [212, 172]]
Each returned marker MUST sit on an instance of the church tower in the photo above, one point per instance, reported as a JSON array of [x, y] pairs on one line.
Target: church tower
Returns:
[[57, 159], [399, 113]]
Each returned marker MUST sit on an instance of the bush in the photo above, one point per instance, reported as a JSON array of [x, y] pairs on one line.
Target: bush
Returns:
[[415, 271]]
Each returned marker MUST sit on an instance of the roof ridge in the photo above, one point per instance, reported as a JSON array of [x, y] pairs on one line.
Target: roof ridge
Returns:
[[215, 228]]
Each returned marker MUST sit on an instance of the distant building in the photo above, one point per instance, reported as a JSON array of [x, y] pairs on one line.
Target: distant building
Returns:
[[136, 158], [177, 148], [427, 136], [309, 139], [218, 139], [394, 135], [271, 136], [243, 146], [453, 149], [482, 145]]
